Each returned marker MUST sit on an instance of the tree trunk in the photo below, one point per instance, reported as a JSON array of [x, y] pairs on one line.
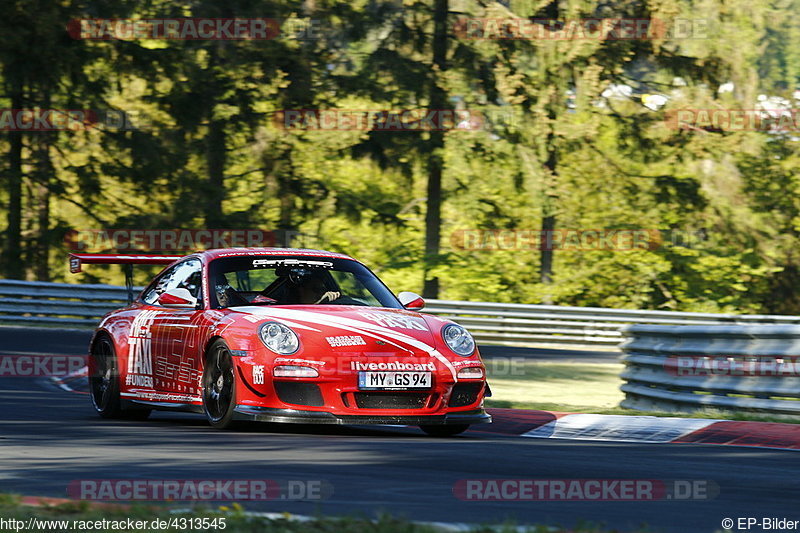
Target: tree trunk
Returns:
[[12, 256], [548, 213], [546, 254], [550, 198], [45, 171], [286, 193], [215, 161], [216, 153], [435, 163]]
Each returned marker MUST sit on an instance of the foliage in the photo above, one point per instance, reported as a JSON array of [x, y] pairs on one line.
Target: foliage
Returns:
[[556, 139]]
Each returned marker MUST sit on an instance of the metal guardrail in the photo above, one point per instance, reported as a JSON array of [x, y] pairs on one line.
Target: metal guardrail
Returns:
[[57, 304], [688, 368], [32, 302], [523, 324]]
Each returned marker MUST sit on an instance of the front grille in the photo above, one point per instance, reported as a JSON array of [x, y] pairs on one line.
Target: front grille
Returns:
[[298, 393], [465, 394], [391, 400]]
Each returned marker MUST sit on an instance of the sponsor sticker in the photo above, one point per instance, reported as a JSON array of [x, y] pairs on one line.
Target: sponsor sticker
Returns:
[[346, 340], [140, 338], [291, 262], [396, 321], [393, 365]]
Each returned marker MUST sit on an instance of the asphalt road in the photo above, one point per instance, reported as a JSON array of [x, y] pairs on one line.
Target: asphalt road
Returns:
[[49, 437]]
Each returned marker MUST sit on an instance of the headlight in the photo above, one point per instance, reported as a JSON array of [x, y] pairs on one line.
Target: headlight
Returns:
[[279, 338], [458, 339]]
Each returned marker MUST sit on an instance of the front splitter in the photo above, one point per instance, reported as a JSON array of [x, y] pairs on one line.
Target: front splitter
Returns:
[[269, 414]]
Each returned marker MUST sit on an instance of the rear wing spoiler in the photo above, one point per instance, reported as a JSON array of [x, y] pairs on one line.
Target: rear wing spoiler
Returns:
[[77, 260]]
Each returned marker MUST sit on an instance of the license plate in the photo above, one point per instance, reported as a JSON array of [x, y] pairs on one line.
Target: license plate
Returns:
[[394, 380]]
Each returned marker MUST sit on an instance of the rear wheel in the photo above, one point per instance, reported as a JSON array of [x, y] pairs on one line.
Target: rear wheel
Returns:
[[445, 431], [104, 383], [219, 386]]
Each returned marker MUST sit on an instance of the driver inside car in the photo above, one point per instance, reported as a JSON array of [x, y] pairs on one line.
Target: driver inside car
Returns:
[[227, 296], [311, 289]]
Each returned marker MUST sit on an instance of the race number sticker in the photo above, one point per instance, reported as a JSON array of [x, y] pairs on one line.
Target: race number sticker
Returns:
[[258, 374]]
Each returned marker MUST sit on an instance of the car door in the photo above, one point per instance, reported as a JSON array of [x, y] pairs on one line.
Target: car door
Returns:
[[178, 333]]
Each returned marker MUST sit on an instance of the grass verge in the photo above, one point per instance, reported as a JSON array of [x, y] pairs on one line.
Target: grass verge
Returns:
[[82, 516]]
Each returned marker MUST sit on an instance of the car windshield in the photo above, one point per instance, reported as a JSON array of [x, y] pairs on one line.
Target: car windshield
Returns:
[[276, 280]]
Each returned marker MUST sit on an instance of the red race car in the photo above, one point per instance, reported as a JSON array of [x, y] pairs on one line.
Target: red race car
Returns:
[[282, 335]]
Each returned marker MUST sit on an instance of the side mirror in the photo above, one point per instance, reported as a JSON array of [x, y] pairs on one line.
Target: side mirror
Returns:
[[180, 298], [411, 300]]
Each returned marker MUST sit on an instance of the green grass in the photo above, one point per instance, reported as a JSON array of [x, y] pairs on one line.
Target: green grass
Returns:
[[574, 387], [236, 520], [582, 388]]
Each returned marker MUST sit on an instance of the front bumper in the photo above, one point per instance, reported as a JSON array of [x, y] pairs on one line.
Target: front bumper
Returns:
[[268, 414]]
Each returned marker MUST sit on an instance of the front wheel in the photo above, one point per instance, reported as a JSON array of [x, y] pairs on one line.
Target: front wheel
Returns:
[[219, 386], [445, 431]]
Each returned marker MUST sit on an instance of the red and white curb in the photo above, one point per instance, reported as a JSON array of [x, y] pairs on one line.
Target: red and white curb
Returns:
[[618, 428], [644, 429], [73, 382]]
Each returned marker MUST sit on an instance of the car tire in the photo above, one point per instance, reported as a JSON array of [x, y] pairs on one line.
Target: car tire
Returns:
[[219, 386], [445, 431], [104, 383]]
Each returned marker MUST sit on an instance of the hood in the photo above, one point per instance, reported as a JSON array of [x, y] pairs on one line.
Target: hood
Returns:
[[373, 330]]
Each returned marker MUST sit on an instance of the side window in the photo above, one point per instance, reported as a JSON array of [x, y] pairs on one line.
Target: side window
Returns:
[[185, 275]]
